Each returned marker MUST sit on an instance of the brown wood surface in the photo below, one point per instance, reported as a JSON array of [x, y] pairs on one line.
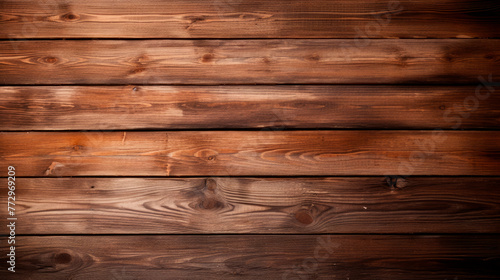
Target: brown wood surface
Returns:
[[221, 139], [255, 257], [272, 107], [255, 205], [141, 62], [248, 153], [249, 19]]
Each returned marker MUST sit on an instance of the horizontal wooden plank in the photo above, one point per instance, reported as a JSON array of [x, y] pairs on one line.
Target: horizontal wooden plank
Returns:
[[254, 257], [255, 205], [276, 107], [248, 19], [248, 153], [142, 62]]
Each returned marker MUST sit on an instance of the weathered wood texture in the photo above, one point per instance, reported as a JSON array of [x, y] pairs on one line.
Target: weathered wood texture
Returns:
[[274, 107], [247, 153], [255, 205], [249, 19], [456, 61], [297, 64], [255, 257]]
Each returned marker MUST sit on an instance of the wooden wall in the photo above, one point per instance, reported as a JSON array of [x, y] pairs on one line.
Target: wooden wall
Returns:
[[237, 139]]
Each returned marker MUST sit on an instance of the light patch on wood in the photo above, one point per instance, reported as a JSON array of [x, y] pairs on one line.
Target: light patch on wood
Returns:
[[174, 112], [9, 90], [65, 94], [52, 167]]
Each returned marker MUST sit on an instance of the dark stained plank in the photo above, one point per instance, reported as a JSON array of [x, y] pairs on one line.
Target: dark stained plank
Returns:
[[198, 62], [249, 19], [254, 257], [255, 205], [273, 107], [251, 153]]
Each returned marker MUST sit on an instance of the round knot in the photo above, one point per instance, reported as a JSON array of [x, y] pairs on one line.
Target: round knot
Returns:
[[304, 217]]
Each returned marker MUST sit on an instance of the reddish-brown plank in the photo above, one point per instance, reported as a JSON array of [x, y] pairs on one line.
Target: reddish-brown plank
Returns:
[[255, 205], [274, 107], [199, 62], [247, 153], [249, 19], [254, 257]]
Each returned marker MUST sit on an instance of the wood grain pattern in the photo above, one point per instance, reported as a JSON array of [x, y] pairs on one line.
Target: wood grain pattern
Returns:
[[229, 107], [255, 205], [248, 19], [198, 62], [249, 153], [255, 257], [224, 139]]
